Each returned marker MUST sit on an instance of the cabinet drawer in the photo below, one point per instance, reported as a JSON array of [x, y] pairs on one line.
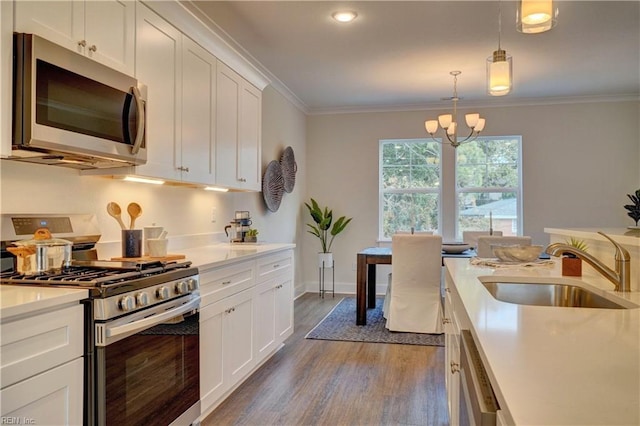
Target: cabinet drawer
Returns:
[[219, 283], [274, 264], [38, 343]]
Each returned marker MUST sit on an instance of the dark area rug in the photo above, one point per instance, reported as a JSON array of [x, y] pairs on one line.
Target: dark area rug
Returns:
[[340, 324]]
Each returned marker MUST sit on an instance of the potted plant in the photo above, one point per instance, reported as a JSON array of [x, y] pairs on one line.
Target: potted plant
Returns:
[[323, 229], [571, 264], [634, 209], [251, 236]]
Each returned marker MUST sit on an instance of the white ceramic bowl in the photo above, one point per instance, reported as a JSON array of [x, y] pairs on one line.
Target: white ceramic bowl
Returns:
[[517, 253]]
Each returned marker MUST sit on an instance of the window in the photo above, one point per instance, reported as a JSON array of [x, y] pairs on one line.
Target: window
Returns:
[[409, 186], [487, 186]]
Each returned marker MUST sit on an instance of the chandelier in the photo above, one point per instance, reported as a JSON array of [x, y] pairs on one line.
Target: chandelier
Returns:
[[449, 122]]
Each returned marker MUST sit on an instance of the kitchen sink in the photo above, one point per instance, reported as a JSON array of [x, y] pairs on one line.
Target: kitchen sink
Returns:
[[556, 294]]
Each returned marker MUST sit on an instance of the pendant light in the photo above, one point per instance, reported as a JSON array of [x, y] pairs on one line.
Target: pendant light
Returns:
[[499, 67], [536, 16]]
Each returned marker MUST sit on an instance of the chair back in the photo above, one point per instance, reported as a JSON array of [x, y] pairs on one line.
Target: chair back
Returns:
[[471, 237], [486, 244], [417, 259]]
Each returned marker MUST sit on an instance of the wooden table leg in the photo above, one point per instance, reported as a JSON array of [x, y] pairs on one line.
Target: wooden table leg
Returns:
[[361, 290], [371, 285]]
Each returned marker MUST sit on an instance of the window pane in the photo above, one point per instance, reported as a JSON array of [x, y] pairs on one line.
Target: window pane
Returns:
[[403, 211], [488, 163], [410, 165], [474, 209]]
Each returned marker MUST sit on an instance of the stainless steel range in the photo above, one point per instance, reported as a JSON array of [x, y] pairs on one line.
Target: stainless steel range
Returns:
[[141, 329]]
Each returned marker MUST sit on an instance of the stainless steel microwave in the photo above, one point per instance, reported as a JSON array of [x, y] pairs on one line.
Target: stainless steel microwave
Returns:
[[69, 110]]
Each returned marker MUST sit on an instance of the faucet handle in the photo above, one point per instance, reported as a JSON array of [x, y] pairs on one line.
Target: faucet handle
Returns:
[[621, 252]]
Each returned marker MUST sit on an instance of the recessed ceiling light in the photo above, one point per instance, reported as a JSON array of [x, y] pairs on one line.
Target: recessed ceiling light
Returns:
[[345, 16]]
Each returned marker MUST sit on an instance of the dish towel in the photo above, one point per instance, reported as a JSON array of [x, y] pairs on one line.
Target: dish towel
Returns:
[[497, 263]]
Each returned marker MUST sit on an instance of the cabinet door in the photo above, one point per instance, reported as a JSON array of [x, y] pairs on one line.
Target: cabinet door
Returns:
[[61, 22], [265, 329], [212, 383], [158, 47], [284, 308], [110, 33], [250, 125], [238, 336], [227, 103], [198, 113], [50, 398]]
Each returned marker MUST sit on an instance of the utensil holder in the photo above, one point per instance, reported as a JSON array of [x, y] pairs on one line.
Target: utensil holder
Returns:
[[131, 242]]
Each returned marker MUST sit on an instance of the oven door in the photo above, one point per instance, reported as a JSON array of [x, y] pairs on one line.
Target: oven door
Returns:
[[147, 372]]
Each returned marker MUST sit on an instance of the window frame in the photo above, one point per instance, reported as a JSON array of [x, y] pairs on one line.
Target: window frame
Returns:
[[449, 185]]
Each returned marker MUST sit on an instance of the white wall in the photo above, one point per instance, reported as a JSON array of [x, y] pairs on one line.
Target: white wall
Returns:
[[29, 188], [579, 161]]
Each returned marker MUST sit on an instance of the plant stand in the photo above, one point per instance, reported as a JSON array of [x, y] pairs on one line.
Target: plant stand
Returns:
[[321, 275]]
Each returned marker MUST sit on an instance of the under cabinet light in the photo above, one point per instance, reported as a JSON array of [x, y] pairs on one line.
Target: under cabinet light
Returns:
[[345, 16], [216, 188], [143, 180]]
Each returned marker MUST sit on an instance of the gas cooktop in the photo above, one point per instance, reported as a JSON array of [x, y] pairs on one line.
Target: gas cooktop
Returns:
[[106, 278]]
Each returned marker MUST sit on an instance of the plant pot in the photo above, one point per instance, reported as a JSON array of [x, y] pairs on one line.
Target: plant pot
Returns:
[[248, 239], [571, 266], [325, 260]]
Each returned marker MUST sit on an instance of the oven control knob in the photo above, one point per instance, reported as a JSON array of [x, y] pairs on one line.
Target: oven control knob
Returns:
[[127, 303], [162, 293], [181, 287], [192, 284], [142, 299]]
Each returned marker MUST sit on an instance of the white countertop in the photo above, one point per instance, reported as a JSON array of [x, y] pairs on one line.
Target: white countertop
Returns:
[[219, 254], [21, 300], [17, 300], [555, 366]]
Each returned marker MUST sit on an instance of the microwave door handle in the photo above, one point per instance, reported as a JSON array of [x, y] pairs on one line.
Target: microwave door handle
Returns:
[[141, 115]]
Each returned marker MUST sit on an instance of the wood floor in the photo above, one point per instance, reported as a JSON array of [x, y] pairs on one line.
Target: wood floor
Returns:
[[318, 382]]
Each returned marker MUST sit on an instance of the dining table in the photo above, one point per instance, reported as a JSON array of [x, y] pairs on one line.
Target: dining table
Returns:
[[367, 261]]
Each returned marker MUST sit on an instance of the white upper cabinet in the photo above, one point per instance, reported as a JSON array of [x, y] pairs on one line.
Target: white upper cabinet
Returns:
[[158, 47], [238, 130], [198, 142], [102, 30]]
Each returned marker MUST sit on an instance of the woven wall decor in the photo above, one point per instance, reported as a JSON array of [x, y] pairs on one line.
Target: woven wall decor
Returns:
[[273, 185], [289, 168]]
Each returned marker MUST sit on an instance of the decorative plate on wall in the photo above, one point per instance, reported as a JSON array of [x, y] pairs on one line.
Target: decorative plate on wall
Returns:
[[273, 185], [289, 169]]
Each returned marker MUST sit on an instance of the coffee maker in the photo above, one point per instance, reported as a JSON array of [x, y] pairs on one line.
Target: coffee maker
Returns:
[[239, 226]]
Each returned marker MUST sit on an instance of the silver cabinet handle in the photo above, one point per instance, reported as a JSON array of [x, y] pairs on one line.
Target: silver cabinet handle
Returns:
[[82, 43], [446, 321], [277, 265], [226, 282], [242, 179], [455, 367], [93, 48], [183, 169]]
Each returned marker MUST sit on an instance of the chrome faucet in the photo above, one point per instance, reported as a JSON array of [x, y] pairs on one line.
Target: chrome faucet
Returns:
[[621, 277]]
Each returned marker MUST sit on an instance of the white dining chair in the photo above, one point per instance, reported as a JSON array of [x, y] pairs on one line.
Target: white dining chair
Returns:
[[486, 244], [471, 237], [414, 302]]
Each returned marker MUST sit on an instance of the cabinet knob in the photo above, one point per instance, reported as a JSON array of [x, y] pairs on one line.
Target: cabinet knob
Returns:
[[447, 289], [93, 48], [446, 321], [455, 367], [242, 179], [226, 282], [183, 169], [82, 43]]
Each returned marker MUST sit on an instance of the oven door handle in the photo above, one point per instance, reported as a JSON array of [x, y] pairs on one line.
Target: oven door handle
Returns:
[[136, 326]]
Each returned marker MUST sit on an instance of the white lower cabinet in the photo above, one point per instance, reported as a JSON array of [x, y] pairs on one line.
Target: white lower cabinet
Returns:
[[244, 318], [42, 368], [452, 352]]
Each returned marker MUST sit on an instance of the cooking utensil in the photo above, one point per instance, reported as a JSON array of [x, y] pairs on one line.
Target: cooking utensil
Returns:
[[42, 253], [115, 212], [134, 211]]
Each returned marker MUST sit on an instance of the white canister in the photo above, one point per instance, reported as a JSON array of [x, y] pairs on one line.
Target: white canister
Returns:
[[151, 232]]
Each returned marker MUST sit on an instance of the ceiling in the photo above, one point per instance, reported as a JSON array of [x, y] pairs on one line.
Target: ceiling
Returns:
[[398, 55]]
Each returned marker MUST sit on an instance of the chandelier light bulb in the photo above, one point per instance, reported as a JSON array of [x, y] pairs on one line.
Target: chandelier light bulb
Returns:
[[431, 126], [444, 120], [472, 119]]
